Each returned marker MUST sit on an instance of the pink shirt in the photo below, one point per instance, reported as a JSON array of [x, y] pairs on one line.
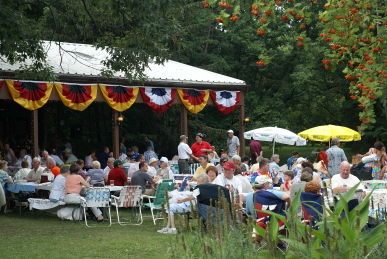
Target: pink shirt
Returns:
[[73, 183]]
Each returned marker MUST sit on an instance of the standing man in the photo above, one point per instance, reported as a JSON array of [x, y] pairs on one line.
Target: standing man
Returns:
[[148, 143], [255, 150], [291, 160], [335, 156], [233, 145], [150, 154], [184, 152], [103, 157]]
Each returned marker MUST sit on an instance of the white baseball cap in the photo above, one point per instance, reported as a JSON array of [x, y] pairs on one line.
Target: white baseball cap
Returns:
[[230, 131], [164, 159]]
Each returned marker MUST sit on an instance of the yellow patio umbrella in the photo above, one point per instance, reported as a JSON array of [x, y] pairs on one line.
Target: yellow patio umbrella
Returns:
[[328, 132]]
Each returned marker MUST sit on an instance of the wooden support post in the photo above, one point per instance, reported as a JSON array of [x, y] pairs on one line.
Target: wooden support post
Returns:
[[241, 123], [35, 133], [45, 126], [115, 134], [183, 121]]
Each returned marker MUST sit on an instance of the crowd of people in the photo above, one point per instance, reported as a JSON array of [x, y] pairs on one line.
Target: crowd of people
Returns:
[[240, 175]]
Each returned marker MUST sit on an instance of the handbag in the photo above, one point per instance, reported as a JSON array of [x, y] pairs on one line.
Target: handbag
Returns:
[[25, 195], [369, 158]]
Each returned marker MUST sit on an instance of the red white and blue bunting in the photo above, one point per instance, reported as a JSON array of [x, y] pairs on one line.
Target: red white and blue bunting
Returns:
[[33, 95], [225, 101], [158, 99]]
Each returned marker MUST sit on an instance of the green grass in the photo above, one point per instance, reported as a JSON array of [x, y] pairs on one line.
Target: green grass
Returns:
[[285, 151], [47, 236]]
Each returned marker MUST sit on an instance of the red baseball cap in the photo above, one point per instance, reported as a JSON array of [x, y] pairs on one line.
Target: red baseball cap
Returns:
[[229, 165]]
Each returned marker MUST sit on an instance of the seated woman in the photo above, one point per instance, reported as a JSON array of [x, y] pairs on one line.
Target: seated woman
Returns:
[[182, 206], [212, 172], [22, 172], [74, 184], [59, 185], [96, 174], [81, 172], [5, 178]]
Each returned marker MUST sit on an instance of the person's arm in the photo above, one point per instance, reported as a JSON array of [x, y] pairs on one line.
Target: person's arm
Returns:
[[261, 153], [286, 197], [317, 178], [282, 187], [155, 179], [340, 189], [83, 182], [9, 180], [189, 198]]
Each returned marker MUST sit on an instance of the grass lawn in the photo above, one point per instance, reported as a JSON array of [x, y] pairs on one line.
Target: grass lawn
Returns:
[[285, 151], [47, 236]]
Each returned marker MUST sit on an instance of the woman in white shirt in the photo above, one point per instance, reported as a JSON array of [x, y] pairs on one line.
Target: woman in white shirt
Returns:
[[58, 186]]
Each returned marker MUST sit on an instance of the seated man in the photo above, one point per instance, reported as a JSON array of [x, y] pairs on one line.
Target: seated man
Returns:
[[110, 165], [264, 169], [203, 160], [51, 166], [54, 154], [117, 174], [291, 160], [135, 167], [231, 182], [141, 176], [68, 157], [344, 181], [265, 196], [36, 171]]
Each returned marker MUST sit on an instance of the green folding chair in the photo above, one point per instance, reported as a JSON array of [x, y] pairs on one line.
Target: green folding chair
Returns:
[[159, 198]]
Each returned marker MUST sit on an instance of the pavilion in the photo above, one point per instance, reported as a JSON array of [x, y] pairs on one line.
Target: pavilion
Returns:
[[78, 70]]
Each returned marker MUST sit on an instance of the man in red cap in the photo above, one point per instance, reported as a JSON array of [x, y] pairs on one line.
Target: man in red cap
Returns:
[[228, 180]]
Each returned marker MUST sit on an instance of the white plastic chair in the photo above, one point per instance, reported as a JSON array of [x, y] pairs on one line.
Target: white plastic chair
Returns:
[[97, 197], [130, 196]]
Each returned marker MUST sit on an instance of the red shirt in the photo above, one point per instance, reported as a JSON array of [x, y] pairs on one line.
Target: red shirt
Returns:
[[118, 175], [196, 148], [55, 171]]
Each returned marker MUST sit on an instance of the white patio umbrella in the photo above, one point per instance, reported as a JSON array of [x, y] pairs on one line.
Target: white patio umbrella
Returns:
[[275, 134]]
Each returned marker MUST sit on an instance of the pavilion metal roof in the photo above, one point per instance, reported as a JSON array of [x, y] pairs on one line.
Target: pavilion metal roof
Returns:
[[73, 59]]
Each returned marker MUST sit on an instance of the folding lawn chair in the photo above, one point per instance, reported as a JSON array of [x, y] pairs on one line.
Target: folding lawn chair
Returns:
[[312, 206], [130, 196], [97, 197], [159, 197]]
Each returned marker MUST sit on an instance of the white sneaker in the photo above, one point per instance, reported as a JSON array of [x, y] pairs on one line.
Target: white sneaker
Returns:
[[171, 231], [164, 230]]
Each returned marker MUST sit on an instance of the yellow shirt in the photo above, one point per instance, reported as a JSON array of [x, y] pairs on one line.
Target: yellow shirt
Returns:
[[201, 170]]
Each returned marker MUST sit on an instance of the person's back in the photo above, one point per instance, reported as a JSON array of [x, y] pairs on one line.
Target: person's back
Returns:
[[140, 178], [96, 176], [118, 176]]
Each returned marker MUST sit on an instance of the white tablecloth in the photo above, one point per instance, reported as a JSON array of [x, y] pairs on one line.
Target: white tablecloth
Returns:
[[43, 204]]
